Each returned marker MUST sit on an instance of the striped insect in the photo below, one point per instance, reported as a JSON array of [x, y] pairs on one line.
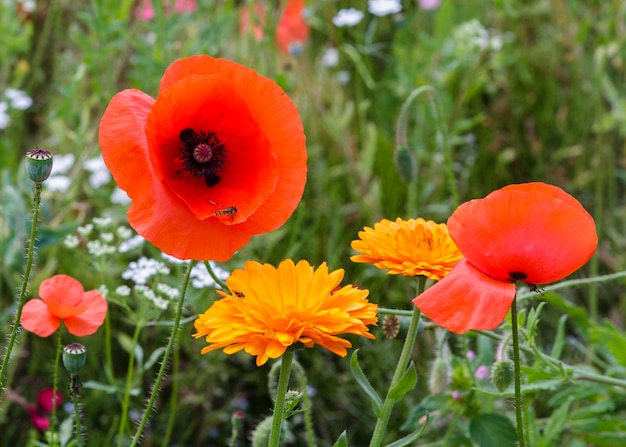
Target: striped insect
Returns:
[[230, 211]]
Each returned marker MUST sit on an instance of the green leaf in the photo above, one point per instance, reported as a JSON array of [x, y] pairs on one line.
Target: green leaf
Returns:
[[492, 430], [559, 338], [555, 424], [359, 375], [406, 383], [342, 441], [578, 314], [408, 439]]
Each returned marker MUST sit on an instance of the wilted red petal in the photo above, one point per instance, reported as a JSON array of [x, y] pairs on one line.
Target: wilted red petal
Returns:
[[533, 232], [36, 318], [211, 103], [292, 31], [467, 299], [91, 319], [63, 296]]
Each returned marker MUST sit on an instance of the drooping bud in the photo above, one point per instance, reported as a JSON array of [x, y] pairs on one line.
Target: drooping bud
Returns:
[[74, 356], [38, 164], [502, 374], [405, 162]]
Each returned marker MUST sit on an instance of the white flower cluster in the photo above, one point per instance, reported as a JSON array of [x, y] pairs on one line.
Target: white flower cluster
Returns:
[[141, 270], [13, 99]]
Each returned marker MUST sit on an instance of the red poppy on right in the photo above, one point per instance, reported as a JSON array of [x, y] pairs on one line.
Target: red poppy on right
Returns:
[[532, 232]]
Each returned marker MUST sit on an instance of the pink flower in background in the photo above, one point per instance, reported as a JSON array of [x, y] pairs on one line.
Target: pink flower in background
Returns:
[[38, 413], [429, 4], [292, 31], [252, 20], [145, 8]]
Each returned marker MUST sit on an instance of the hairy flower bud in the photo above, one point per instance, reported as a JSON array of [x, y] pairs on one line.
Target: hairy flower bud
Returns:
[[502, 374], [438, 379]]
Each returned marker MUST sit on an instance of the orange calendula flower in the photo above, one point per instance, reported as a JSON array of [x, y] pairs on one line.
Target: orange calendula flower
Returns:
[[64, 299], [408, 247], [292, 31], [269, 309], [219, 156], [534, 233]]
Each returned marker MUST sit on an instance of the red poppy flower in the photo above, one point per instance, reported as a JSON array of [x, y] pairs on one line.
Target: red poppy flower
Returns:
[[64, 299], [534, 233], [219, 156], [292, 31]]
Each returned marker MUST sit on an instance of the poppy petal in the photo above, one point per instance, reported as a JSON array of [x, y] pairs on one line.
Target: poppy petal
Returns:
[[467, 299], [273, 112], [36, 318], [122, 139], [156, 213], [292, 31], [210, 103], [63, 295], [89, 321], [533, 232]]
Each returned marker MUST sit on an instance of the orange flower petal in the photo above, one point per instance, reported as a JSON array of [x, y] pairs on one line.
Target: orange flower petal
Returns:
[[63, 295], [533, 232], [36, 318], [211, 103], [467, 299], [91, 319], [273, 112]]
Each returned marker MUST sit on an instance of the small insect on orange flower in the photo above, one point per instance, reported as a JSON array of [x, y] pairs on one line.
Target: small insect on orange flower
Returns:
[[269, 309], [408, 247], [218, 138], [533, 233], [64, 299]]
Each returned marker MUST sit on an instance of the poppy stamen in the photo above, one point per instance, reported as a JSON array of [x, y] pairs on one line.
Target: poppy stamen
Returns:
[[203, 154]]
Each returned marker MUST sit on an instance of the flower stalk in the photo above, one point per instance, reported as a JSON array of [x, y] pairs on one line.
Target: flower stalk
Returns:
[[279, 404], [403, 363], [166, 356], [517, 376], [30, 255]]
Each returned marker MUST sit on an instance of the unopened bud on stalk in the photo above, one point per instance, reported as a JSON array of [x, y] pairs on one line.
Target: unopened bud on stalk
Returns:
[[74, 356], [502, 374], [438, 379], [38, 164]]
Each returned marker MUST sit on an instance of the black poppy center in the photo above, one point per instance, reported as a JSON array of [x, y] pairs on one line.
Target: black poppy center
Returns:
[[517, 276], [202, 154]]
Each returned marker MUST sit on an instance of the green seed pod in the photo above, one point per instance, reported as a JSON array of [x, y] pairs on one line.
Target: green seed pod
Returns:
[[502, 374], [406, 165], [38, 164], [74, 356]]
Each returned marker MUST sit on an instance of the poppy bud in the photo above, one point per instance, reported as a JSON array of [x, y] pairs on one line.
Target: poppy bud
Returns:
[[38, 164], [74, 356], [261, 434], [502, 374], [406, 165]]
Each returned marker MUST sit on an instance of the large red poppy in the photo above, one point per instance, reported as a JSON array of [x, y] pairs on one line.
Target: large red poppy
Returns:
[[219, 156], [534, 233], [64, 299]]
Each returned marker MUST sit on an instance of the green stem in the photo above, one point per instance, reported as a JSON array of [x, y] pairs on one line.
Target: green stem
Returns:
[[217, 280], [22, 297], [55, 388], [79, 435], [171, 417], [166, 356], [129, 380], [279, 404], [518, 381], [403, 362]]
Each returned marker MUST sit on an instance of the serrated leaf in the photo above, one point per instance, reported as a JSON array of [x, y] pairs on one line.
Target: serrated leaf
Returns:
[[411, 437], [342, 441], [365, 384], [406, 383], [492, 430]]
